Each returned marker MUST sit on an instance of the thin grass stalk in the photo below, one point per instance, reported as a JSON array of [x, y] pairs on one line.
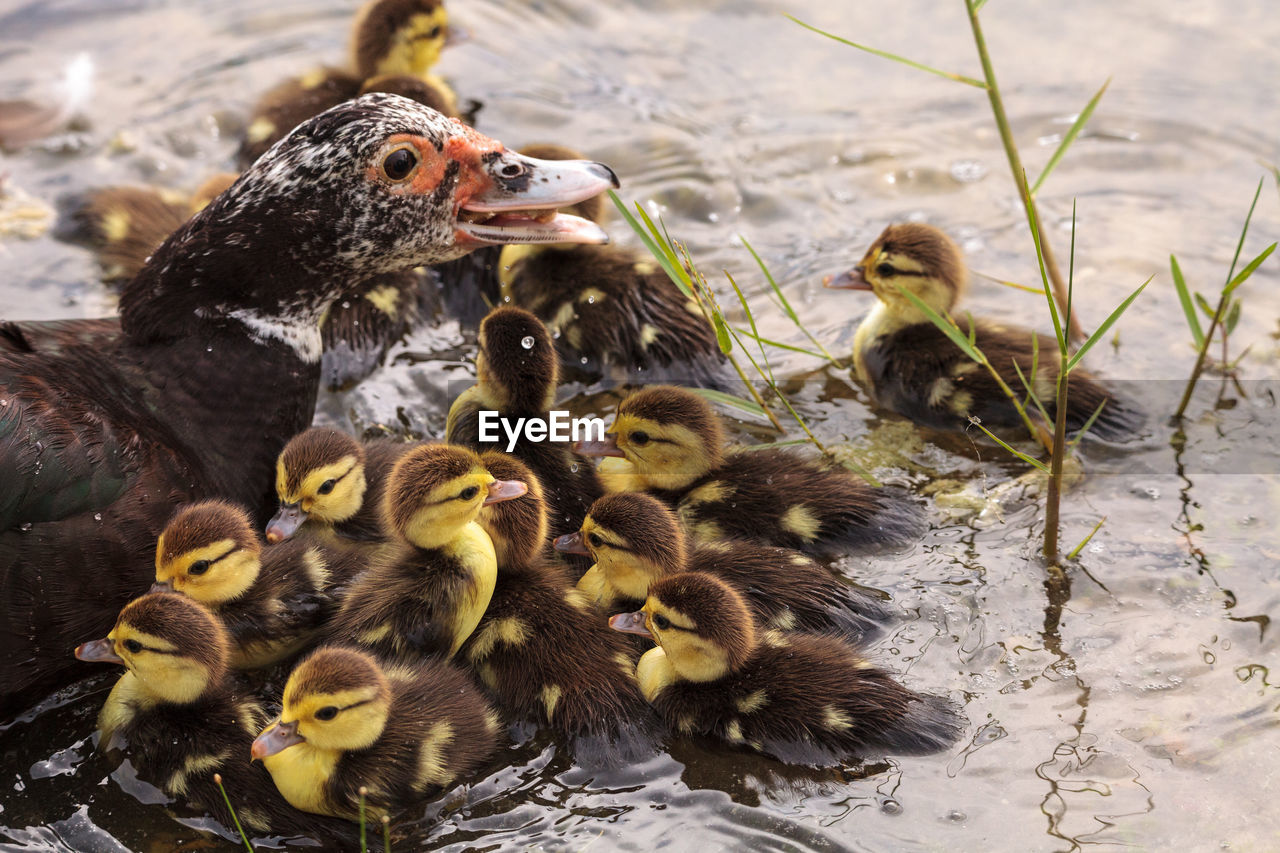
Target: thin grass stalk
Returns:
[[217, 780], [386, 823], [364, 841], [1054, 497], [1015, 162], [1075, 552]]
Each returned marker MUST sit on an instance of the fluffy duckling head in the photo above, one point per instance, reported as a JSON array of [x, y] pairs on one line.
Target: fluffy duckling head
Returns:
[[336, 700], [209, 551], [516, 367], [435, 490], [702, 625], [172, 645], [319, 475], [398, 37], [634, 539], [917, 258], [424, 90], [671, 437], [518, 527]]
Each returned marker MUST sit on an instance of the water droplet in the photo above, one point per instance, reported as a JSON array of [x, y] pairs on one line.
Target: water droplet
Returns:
[[968, 171], [573, 467], [583, 360], [527, 342], [890, 806], [957, 816], [97, 516], [346, 304], [591, 300], [209, 348], [4, 402], [26, 528]]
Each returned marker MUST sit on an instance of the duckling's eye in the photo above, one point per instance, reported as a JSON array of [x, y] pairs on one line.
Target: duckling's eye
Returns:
[[469, 492], [326, 487], [133, 646], [595, 539], [435, 32], [199, 567], [885, 270], [639, 437], [399, 164], [661, 621], [328, 712]]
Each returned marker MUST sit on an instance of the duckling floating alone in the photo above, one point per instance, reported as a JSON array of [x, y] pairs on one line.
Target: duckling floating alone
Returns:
[[912, 368], [541, 647], [516, 374], [388, 37], [101, 435], [636, 540], [674, 444], [402, 732], [801, 698], [271, 600], [425, 598], [182, 717]]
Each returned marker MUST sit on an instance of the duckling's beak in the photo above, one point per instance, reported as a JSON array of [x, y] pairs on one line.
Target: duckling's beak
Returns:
[[630, 623], [276, 737], [608, 446], [285, 522], [571, 543], [517, 197], [161, 586], [98, 651], [456, 35], [505, 490], [854, 279]]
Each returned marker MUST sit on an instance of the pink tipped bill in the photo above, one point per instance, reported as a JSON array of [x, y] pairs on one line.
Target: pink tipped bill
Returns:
[[505, 490], [852, 280], [571, 543], [98, 651], [606, 447], [275, 738], [630, 623], [285, 523]]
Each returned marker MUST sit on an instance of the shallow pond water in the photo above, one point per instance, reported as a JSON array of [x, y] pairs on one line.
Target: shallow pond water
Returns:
[[1127, 702]]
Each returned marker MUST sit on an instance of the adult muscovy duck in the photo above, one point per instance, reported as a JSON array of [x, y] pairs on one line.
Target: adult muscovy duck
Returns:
[[217, 359]]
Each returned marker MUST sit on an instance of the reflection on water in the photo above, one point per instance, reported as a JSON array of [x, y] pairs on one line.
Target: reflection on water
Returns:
[[1128, 701]]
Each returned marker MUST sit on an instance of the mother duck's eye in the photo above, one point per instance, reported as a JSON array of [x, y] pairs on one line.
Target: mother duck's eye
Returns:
[[399, 164], [199, 567], [885, 270], [469, 492], [328, 712], [326, 487], [639, 437], [661, 621], [133, 646]]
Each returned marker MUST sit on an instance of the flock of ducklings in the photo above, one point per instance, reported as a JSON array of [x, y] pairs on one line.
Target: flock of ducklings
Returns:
[[425, 595]]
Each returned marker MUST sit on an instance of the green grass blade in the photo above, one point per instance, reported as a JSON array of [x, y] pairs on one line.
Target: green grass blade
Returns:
[[947, 327], [1075, 552], [1248, 270], [1106, 324], [1030, 460], [742, 300], [790, 442], [1184, 296], [1034, 222], [1072, 133], [1204, 305], [959, 78], [386, 834], [364, 843], [779, 344], [659, 254], [217, 780], [1031, 392], [1244, 231], [976, 5], [1039, 291], [740, 403], [1084, 430], [783, 302], [1233, 317]]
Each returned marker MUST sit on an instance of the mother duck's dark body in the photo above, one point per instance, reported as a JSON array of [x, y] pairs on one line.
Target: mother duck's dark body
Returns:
[[216, 363]]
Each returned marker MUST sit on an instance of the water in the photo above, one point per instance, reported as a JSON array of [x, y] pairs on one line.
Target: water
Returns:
[[1128, 703]]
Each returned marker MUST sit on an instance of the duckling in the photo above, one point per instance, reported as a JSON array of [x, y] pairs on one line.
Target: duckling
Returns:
[[516, 374], [388, 37], [182, 717], [403, 733], [217, 358], [272, 601], [801, 698], [673, 446], [328, 481], [912, 368], [635, 539], [609, 305], [541, 648], [425, 598]]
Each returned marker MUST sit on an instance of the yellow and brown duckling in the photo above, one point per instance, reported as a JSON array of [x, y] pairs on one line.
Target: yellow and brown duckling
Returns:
[[327, 481], [426, 597], [272, 600], [388, 37], [401, 732], [517, 370], [912, 368], [609, 305], [636, 540], [673, 444], [801, 698], [541, 648], [181, 716]]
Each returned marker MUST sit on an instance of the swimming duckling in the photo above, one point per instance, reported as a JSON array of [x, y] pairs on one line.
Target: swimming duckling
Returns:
[[328, 481], [425, 598], [516, 374], [388, 37], [674, 444], [801, 698], [273, 600], [182, 717], [402, 732], [608, 304], [541, 648], [636, 539], [911, 367]]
